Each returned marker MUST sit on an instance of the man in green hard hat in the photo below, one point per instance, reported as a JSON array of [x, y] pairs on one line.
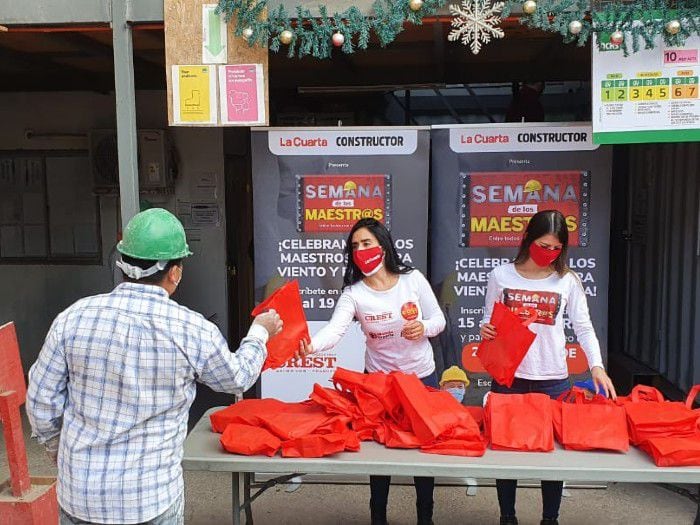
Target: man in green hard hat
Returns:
[[110, 392]]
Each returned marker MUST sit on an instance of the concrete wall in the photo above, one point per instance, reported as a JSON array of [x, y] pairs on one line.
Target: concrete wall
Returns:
[[32, 295]]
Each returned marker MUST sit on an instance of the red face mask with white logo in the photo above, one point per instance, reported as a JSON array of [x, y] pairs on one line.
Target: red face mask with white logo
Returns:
[[542, 256], [369, 261]]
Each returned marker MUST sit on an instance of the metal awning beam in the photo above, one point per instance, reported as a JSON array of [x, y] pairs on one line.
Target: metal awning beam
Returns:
[[144, 11], [53, 12], [47, 12]]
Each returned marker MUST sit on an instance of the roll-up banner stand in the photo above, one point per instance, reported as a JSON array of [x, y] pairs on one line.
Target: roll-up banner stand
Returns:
[[487, 181], [309, 187]]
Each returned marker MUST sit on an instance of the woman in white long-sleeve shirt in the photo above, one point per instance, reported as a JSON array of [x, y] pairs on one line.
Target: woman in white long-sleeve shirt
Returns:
[[539, 279], [398, 312]]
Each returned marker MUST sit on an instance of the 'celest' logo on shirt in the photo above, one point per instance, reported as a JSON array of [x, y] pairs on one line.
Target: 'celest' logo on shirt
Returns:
[[374, 318], [409, 311]]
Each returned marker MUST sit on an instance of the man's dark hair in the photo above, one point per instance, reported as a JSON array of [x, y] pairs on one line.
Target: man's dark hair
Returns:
[[156, 278]]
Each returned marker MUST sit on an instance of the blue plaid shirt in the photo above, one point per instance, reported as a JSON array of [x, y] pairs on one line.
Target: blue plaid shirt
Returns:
[[115, 380]]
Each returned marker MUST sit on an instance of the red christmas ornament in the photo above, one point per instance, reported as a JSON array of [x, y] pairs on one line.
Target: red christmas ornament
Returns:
[[617, 37], [338, 39]]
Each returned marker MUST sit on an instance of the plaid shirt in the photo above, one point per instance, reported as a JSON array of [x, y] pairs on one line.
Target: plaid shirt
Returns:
[[115, 379]]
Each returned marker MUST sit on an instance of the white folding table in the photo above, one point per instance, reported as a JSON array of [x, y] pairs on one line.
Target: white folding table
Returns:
[[203, 452]]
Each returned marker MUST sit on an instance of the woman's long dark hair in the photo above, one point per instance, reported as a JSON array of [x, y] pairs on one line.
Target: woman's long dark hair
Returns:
[[544, 223], [391, 259]]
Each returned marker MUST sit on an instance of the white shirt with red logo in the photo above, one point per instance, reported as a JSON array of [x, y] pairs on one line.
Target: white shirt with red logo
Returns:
[[382, 315], [550, 297]]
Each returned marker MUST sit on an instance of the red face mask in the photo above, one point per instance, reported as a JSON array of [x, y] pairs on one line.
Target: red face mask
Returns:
[[542, 256], [369, 261]]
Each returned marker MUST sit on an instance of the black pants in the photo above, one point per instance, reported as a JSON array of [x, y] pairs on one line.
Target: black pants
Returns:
[[551, 490], [379, 485]]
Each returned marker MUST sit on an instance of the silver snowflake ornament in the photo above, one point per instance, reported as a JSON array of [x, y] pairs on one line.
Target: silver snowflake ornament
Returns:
[[476, 22]]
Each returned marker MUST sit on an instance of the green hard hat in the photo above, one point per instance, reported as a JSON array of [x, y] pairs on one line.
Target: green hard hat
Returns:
[[154, 235]]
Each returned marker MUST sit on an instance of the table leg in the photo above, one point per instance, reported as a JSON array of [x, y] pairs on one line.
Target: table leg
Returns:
[[246, 499], [236, 497]]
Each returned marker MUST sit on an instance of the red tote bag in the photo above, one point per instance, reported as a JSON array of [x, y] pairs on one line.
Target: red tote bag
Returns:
[[320, 445], [674, 451], [477, 413], [395, 437], [502, 355], [286, 301], [284, 420], [521, 422], [659, 418], [456, 447], [245, 412], [335, 402], [590, 424], [432, 414], [249, 440], [373, 392]]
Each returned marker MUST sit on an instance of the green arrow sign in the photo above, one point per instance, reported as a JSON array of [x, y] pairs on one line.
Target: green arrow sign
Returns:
[[214, 46]]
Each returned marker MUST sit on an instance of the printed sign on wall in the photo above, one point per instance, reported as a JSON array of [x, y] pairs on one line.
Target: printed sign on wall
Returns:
[[310, 186], [487, 182], [333, 203]]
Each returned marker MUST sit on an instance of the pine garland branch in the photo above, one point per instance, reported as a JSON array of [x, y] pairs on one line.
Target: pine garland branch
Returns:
[[641, 22], [311, 33]]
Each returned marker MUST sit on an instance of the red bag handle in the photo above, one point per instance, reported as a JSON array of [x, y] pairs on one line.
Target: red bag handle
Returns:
[[648, 393], [578, 396], [340, 387], [531, 314], [564, 397], [691, 396], [574, 396]]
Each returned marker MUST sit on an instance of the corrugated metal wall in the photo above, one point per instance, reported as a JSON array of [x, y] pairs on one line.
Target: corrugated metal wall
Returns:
[[662, 309]]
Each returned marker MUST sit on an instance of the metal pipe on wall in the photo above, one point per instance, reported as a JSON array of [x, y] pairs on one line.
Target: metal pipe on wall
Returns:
[[125, 96]]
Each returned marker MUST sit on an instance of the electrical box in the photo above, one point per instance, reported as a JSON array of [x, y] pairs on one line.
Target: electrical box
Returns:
[[156, 161]]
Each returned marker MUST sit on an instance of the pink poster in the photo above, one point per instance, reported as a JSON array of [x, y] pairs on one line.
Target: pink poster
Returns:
[[242, 94]]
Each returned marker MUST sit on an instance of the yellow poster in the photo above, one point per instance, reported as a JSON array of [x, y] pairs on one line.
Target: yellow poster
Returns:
[[194, 95]]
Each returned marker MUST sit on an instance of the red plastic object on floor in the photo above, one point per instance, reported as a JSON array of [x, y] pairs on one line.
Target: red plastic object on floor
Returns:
[[23, 500]]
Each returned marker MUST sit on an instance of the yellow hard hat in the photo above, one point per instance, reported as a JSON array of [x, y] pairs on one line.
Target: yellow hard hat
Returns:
[[532, 185], [454, 373]]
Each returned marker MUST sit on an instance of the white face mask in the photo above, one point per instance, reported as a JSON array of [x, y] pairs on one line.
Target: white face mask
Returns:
[[136, 273]]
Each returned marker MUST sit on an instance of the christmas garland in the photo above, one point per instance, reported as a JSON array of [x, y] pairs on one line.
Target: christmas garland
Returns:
[[305, 33], [618, 23]]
